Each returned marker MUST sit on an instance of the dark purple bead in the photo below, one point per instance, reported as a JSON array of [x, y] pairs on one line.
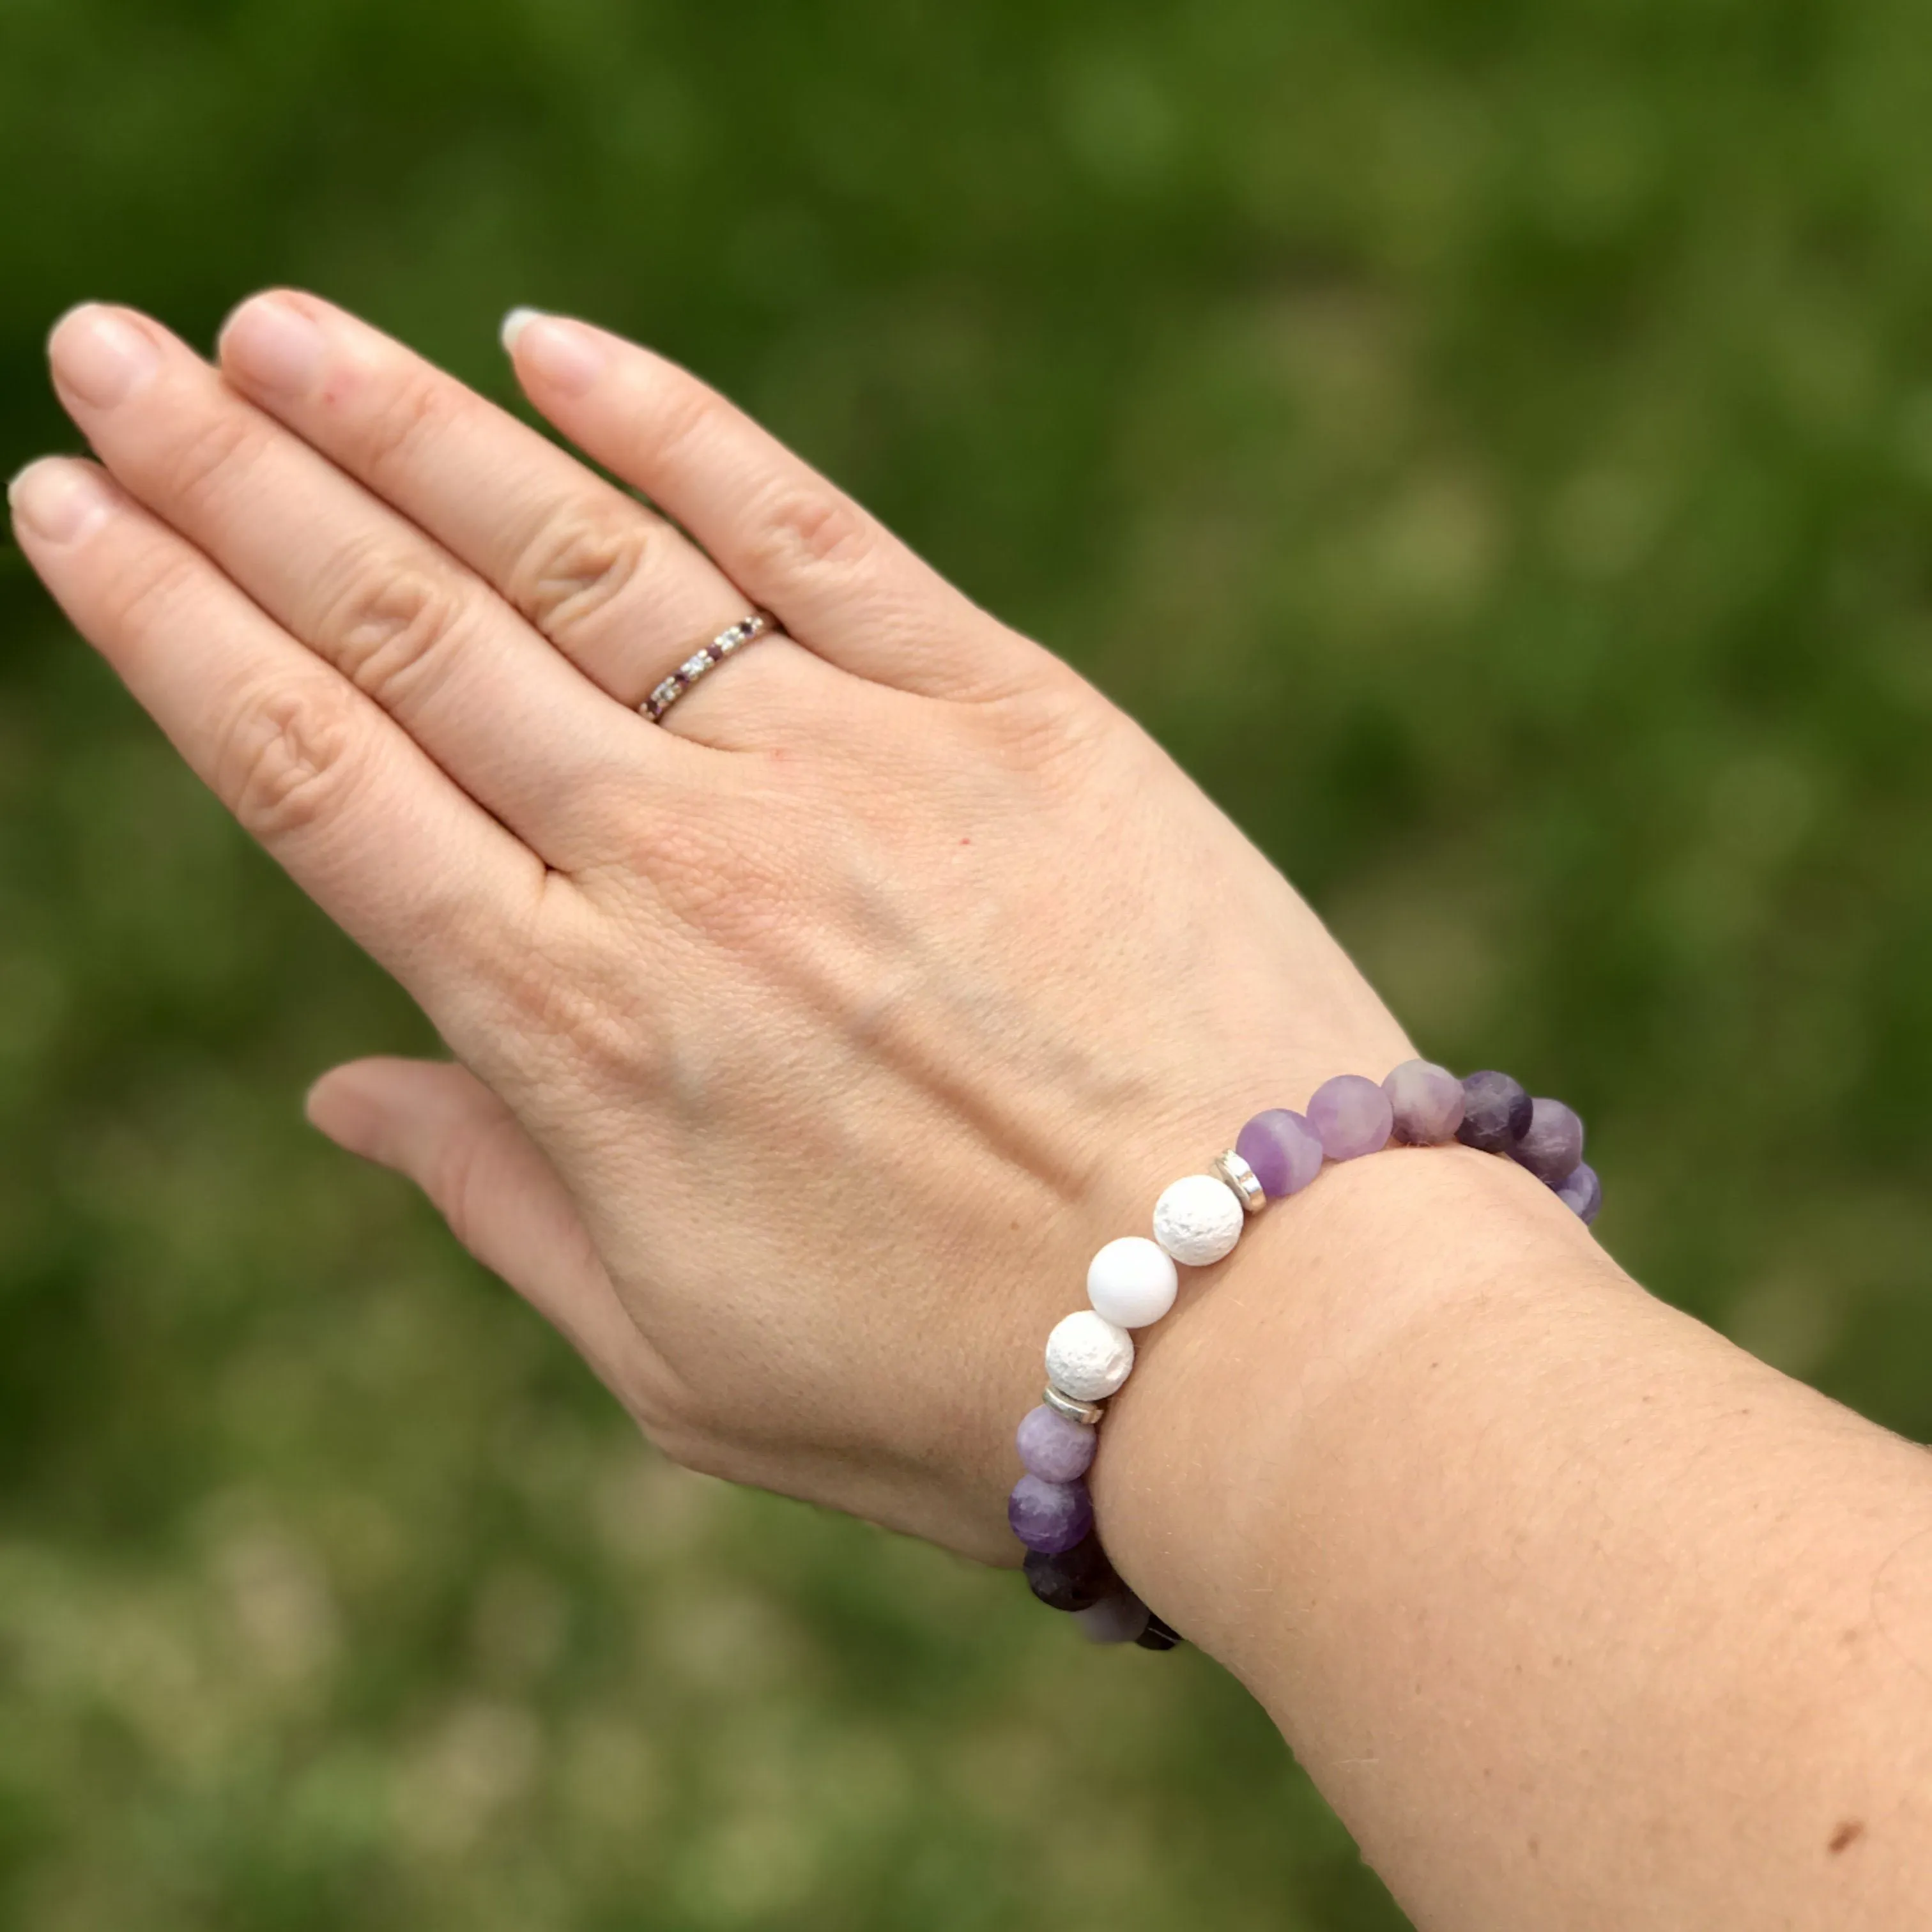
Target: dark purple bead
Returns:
[[1554, 1144], [1071, 1579], [1050, 1516], [1283, 1150], [1580, 1189], [1158, 1635], [1495, 1113]]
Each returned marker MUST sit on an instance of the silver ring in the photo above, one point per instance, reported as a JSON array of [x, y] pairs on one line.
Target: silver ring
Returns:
[[733, 637]]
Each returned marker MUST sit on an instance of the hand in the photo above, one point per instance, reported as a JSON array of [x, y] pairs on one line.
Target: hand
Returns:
[[807, 1044], [810, 1042]]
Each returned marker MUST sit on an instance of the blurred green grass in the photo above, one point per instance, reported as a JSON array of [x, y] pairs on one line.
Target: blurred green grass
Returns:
[[1491, 444]]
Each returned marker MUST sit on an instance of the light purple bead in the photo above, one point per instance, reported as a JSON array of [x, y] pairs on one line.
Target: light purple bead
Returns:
[[1580, 1189], [1054, 1446], [1554, 1144], [1352, 1115], [1283, 1150], [1427, 1102], [1051, 1516]]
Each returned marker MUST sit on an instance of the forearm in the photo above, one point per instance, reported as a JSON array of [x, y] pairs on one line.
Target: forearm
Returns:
[[1578, 1614]]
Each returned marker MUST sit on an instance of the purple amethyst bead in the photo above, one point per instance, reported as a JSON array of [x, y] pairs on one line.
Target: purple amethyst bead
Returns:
[[1554, 1144], [1495, 1113], [1580, 1189], [1051, 1516], [1427, 1100], [1158, 1635], [1054, 1446], [1352, 1115], [1071, 1579], [1283, 1150]]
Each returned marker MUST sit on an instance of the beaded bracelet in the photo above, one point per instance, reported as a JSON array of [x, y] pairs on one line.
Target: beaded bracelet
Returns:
[[1133, 1282]]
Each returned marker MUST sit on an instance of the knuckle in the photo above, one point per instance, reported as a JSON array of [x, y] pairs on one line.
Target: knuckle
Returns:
[[464, 1180], [288, 761], [400, 418], [557, 994], [150, 596], [577, 566], [209, 462], [686, 414], [729, 886], [1060, 732], [395, 630], [810, 529]]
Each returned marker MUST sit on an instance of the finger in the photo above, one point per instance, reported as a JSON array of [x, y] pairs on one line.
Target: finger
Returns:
[[837, 578], [407, 864], [624, 595], [519, 729], [438, 1125]]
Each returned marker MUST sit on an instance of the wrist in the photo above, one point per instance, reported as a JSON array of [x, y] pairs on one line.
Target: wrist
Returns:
[[1209, 1450]]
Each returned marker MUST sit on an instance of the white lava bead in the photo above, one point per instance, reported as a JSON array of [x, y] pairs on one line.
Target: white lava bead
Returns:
[[1199, 1219], [1132, 1281], [1088, 1356]]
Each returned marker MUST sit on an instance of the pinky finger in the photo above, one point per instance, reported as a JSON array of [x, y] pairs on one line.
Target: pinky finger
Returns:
[[354, 809]]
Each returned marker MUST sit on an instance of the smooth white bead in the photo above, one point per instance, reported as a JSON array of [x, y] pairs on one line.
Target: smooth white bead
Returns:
[[1132, 1281], [1088, 1356], [1199, 1219]]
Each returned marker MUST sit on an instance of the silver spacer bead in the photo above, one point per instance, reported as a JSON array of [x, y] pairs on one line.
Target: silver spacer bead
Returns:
[[1230, 1168], [1072, 1407]]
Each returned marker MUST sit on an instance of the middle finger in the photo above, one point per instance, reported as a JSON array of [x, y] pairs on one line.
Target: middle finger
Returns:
[[623, 594], [518, 727]]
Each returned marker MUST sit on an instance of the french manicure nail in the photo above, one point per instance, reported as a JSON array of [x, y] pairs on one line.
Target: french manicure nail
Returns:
[[271, 344], [60, 501], [565, 355], [100, 356]]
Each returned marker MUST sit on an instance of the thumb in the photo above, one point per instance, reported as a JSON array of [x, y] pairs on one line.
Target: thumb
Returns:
[[438, 1125]]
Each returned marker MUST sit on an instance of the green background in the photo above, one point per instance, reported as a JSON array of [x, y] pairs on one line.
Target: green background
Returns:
[[1490, 442]]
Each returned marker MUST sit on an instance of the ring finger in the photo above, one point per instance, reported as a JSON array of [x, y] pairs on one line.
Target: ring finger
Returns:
[[620, 591]]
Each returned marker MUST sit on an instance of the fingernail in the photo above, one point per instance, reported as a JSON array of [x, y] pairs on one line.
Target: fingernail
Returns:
[[60, 502], [100, 356], [337, 1107], [565, 355], [514, 323], [272, 345]]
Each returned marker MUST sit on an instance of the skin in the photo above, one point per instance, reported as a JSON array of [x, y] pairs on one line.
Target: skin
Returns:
[[806, 1046]]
